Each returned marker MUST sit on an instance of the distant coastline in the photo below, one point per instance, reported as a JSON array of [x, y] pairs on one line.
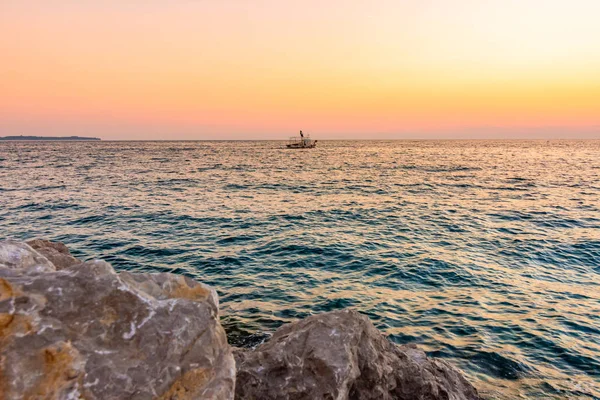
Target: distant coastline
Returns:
[[21, 137]]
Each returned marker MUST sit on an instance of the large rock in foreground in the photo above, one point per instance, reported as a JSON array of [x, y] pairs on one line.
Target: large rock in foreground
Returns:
[[341, 355], [80, 330]]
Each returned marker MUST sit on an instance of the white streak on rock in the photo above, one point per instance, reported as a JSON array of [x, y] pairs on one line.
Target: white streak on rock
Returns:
[[130, 334]]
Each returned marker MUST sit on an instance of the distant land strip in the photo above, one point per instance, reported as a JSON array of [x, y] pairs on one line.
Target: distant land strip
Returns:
[[21, 137]]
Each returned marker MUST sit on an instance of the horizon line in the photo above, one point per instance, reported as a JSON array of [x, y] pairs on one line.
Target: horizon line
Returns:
[[324, 140]]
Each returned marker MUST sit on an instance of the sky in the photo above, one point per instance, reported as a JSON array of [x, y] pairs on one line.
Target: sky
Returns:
[[264, 69]]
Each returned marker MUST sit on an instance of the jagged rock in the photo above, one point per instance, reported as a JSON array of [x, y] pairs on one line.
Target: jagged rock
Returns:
[[72, 330], [57, 253], [19, 256], [341, 355], [87, 332]]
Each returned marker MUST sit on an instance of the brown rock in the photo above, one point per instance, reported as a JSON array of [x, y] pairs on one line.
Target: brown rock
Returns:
[[341, 355], [56, 252], [88, 332], [80, 330], [19, 256]]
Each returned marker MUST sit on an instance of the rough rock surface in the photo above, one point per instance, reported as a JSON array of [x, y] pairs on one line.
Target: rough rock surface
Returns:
[[19, 256], [57, 253], [341, 355], [80, 330]]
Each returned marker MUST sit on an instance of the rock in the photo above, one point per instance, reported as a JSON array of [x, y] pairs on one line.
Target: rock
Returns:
[[72, 329], [84, 331], [19, 256], [341, 355], [57, 253]]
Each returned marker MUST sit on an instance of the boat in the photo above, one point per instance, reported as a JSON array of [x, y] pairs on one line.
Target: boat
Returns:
[[301, 142]]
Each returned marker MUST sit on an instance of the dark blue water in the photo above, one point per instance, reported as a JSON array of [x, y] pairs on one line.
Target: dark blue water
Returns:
[[486, 253]]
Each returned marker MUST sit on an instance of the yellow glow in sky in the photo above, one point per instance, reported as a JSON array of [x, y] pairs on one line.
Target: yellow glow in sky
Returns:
[[196, 69]]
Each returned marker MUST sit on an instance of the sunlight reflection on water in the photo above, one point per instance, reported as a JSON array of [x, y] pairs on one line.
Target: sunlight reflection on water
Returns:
[[483, 252]]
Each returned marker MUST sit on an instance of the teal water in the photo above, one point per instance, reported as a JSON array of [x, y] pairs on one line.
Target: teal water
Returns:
[[486, 253]]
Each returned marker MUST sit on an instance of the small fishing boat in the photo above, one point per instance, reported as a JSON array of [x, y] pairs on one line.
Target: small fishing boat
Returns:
[[301, 142]]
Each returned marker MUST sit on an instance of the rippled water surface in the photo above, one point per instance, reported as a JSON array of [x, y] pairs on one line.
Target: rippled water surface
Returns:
[[486, 253]]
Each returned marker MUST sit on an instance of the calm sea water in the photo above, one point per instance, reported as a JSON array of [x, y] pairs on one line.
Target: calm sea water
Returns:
[[486, 253]]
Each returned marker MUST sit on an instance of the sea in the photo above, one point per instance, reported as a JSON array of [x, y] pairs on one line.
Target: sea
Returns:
[[483, 253]]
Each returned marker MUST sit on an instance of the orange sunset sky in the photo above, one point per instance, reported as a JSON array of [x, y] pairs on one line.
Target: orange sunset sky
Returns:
[[234, 69]]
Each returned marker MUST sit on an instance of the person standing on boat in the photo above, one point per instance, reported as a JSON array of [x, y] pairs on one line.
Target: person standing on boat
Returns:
[[301, 135]]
